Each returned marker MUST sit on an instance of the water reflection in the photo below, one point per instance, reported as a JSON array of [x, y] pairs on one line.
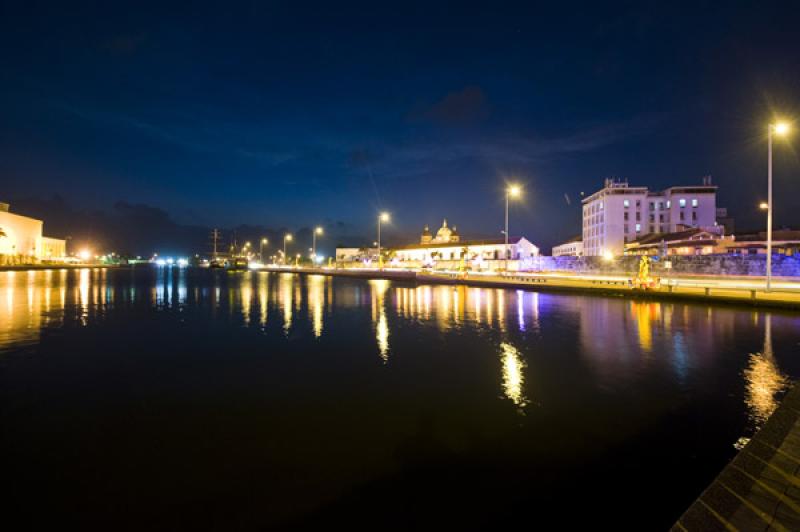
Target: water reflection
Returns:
[[764, 380], [285, 282], [378, 290], [618, 343], [513, 376], [316, 301]]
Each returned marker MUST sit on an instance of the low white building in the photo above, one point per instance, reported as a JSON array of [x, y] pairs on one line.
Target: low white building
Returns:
[[570, 248], [21, 240], [448, 246]]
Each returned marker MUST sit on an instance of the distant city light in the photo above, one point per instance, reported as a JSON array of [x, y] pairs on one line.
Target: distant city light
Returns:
[[608, 256], [763, 205], [84, 254]]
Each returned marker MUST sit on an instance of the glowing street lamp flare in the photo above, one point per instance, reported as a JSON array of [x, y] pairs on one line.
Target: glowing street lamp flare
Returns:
[[763, 206], [286, 238], [264, 242], [317, 231], [382, 217], [513, 191], [781, 129]]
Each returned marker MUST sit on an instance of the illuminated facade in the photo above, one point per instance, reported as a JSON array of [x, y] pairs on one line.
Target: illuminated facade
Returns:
[[448, 246], [619, 213], [21, 240]]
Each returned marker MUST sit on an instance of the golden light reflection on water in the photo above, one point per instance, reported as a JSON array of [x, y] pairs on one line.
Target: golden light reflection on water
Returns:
[[513, 376], [646, 316], [378, 288], [763, 379], [316, 301], [285, 282], [263, 297]]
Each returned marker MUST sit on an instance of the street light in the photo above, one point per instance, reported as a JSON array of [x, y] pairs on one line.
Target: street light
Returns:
[[317, 231], [780, 129], [264, 242], [382, 217], [512, 191], [286, 238]]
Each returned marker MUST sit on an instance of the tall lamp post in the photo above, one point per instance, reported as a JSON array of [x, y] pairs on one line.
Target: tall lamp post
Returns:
[[317, 231], [512, 191], [780, 129], [382, 217], [286, 238], [264, 242]]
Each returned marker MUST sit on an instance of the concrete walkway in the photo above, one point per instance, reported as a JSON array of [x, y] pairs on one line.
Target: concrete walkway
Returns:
[[785, 294], [760, 488]]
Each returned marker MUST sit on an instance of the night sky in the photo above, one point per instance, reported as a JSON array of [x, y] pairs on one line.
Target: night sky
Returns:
[[286, 115]]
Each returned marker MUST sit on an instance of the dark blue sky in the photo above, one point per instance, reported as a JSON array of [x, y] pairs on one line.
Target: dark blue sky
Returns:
[[286, 115]]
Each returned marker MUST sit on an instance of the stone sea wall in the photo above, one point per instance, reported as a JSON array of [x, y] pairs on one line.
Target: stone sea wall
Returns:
[[745, 265]]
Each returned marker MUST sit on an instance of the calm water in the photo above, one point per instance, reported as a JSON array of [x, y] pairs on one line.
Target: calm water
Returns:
[[147, 399]]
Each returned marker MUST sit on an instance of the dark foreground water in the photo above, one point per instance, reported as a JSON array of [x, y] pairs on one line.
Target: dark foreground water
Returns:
[[189, 399]]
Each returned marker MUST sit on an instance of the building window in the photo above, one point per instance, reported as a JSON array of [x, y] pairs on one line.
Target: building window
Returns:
[[694, 216], [694, 202], [681, 216], [626, 203], [652, 218], [652, 229], [660, 204], [638, 228], [638, 217], [626, 216], [601, 205], [682, 202], [652, 206], [626, 228], [669, 204], [638, 203], [661, 218]]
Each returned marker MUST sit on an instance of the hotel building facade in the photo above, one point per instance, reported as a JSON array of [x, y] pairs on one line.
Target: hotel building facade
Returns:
[[619, 213]]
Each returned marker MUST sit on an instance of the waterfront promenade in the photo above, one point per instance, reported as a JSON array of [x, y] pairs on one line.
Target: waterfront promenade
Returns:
[[760, 488], [738, 290]]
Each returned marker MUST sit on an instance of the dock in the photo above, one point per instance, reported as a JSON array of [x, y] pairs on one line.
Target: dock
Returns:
[[760, 488]]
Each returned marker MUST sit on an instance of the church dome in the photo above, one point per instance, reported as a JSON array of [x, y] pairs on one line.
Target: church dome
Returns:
[[426, 231], [444, 233]]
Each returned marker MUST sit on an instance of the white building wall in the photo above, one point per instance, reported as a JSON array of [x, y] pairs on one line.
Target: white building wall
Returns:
[[23, 236], [569, 249]]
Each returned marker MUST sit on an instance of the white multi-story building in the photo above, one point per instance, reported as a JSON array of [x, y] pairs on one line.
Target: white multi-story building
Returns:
[[570, 248], [619, 213]]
